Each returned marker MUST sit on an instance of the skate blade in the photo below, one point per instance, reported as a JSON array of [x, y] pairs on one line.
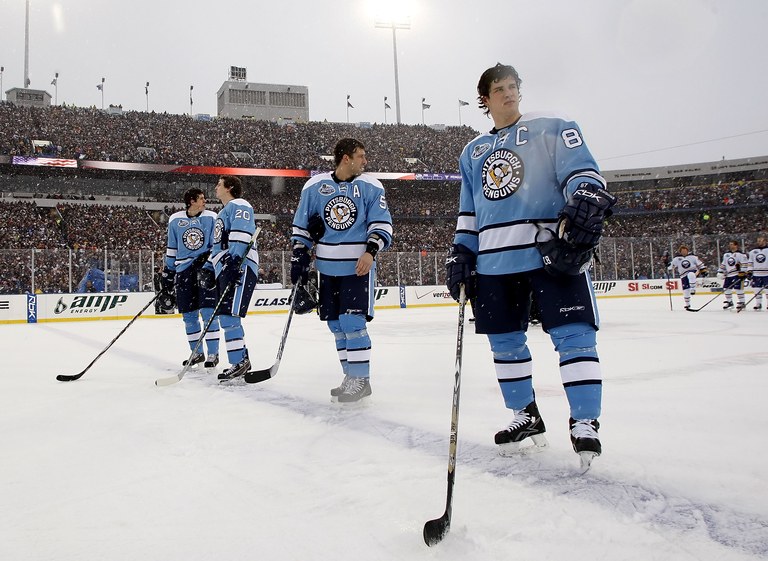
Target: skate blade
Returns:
[[515, 449], [586, 460]]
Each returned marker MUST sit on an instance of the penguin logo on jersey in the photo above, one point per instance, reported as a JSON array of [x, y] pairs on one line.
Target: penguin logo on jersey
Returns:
[[217, 230], [503, 173], [340, 213], [193, 238]]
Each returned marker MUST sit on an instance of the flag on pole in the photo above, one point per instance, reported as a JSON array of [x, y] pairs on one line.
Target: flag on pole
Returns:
[[53, 82], [462, 103], [349, 104], [386, 105], [99, 87], [425, 105]]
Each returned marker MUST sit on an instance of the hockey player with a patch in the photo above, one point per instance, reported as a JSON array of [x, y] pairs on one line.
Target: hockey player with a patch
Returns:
[[733, 270], [687, 267]]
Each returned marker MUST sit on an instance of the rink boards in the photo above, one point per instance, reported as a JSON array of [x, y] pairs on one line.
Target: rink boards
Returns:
[[34, 308]]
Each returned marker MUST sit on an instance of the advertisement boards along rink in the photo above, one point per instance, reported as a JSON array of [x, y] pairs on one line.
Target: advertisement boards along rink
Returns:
[[112, 466]]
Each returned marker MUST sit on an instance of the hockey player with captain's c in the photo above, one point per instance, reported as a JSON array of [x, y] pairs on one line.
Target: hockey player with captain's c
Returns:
[[189, 241], [531, 211]]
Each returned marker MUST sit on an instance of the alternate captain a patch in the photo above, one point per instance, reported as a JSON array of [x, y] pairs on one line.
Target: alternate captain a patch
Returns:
[[503, 173], [340, 213]]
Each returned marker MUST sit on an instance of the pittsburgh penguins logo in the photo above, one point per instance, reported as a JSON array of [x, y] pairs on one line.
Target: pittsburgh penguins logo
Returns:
[[217, 230], [503, 173], [340, 213], [193, 238]]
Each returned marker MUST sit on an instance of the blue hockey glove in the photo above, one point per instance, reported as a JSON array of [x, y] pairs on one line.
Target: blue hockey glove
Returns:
[[580, 223], [300, 264], [460, 269], [230, 269], [206, 278]]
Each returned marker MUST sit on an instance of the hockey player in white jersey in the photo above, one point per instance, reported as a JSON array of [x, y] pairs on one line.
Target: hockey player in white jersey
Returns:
[[532, 204], [345, 214], [757, 271], [733, 271], [688, 267], [190, 237], [233, 267]]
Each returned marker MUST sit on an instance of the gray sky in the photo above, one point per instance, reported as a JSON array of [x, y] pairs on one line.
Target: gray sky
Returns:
[[640, 76]]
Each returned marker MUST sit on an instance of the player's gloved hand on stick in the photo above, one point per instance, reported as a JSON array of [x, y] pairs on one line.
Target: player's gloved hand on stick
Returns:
[[206, 277], [167, 280], [230, 269], [460, 269], [166, 297], [580, 222], [300, 264]]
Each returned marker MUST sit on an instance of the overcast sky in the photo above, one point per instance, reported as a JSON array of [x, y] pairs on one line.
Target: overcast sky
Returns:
[[651, 82]]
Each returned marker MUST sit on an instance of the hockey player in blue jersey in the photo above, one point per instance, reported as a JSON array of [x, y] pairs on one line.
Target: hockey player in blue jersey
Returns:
[[345, 214], [233, 266], [190, 237], [532, 203]]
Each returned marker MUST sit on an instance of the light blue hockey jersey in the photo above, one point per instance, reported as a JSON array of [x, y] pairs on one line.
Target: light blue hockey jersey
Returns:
[[352, 212], [188, 238], [234, 229], [514, 179]]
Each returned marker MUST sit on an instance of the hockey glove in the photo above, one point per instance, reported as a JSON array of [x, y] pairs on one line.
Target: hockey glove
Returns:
[[460, 269], [206, 278], [201, 259], [580, 223], [316, 227], [230, 269], [300, 264], [166, 296]]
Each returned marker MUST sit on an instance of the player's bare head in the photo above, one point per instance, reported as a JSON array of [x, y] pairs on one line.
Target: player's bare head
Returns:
[[192, 195], [491, 75], [762, 241], [683, 248], [346, 147], [733, 245], [233, 185]]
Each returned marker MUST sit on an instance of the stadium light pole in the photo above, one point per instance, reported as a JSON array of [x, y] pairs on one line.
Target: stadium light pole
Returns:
[[394, 24]]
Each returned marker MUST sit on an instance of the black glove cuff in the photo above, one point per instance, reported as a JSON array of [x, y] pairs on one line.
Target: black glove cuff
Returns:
[[372, 248]]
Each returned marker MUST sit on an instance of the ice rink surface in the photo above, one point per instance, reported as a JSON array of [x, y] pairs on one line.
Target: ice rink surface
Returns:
[[112, 467]]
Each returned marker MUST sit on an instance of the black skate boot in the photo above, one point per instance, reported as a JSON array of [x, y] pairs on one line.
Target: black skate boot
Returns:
[[212, 360], [236, 370], [527, 423], [585, 440], [197, 358], [355, 390], [338, 390], [758, 307], [728, 305], [740, 306]]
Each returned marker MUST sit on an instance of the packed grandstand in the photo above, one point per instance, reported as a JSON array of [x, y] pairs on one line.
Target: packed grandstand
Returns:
[[86, 196]]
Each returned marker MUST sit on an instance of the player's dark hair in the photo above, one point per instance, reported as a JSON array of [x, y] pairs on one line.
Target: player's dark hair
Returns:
[[191, 196], [234, 185], [491, 75], [346, 147]]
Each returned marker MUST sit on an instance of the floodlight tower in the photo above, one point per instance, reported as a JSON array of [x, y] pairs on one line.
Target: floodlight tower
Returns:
[[394, 23]]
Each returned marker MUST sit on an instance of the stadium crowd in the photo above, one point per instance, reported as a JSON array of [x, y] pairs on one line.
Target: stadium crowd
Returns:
[[162, 138]]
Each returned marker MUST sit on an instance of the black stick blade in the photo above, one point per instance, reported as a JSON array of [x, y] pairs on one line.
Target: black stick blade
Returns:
[[435, 530], [256, 376], [69, 378]]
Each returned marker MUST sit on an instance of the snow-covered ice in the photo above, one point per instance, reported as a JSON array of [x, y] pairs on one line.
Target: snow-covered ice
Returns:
[[113, 467]]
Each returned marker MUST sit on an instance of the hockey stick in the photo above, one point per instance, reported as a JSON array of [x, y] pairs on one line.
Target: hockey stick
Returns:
[[256, 376], [69, 378], [748, 302], [177, 377], [435, 530], [715, 297]]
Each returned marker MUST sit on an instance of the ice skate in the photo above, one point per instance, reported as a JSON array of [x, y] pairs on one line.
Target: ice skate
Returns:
[[236, 370], [338, 390], [740, 306], [758, 307], [585, 440], [197, 358], [527, 423], [212, 360], [355, 390], [728, 305]]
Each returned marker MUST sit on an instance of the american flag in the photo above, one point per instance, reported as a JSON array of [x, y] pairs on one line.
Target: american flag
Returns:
[[48, 162]]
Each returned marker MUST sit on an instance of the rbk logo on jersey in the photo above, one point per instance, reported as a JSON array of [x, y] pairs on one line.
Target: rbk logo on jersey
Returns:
[[503, 173], [340, 213]]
